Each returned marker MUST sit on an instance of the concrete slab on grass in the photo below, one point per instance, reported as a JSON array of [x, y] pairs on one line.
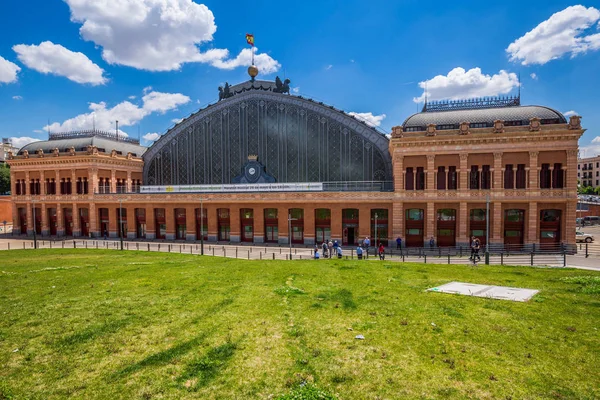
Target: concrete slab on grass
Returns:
[[489, 291]]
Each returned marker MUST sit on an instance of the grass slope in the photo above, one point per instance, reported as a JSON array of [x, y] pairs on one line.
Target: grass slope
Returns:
[[104, 324]]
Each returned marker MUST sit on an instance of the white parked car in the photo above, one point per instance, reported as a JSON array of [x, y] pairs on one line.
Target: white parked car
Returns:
[[583, 237]]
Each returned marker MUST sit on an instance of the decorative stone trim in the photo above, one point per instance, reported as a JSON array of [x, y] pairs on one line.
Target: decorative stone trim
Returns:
[[431, 128], [397, 132], [464, 128], [498, 126], [574, 122], [40, 153], [535, 124]]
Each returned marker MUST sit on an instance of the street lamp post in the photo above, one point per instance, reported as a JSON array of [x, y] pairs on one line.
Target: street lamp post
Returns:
[[121, 222], [201, 227], [487, 230]]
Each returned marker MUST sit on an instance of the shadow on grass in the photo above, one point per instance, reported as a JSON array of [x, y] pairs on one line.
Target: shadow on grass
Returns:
[[212, 310], [345, 297], [93, 332], [161, 358], [202, 370]]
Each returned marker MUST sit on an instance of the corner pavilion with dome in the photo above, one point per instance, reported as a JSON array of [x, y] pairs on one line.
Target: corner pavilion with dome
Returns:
[[261, 156]]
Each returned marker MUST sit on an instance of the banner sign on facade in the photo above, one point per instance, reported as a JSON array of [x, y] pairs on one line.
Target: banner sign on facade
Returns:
[[236, 188]]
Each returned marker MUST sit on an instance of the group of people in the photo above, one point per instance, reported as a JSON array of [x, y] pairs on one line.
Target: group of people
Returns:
[[331, 248]]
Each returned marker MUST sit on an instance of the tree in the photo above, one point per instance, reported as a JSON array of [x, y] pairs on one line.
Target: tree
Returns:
[[4, 178], [586, 190]]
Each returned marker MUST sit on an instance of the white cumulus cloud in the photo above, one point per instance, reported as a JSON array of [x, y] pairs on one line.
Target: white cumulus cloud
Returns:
[[17, 97], [176, 120], [565, 32], [126, 112], [8, 71], [369, 118], [263, 62], [462, 84], [151, 137], [296, 89], [591, 150], [163, 102], [569, 113], [19, 142], [50, 58], [534, 76], [156, 35]]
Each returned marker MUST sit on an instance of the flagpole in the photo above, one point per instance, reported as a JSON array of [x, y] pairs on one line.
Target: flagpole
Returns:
[[252, 54]]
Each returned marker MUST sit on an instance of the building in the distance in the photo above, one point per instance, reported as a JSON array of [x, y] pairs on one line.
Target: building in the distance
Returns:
[[267, 166], [588, 171], [5, 148]]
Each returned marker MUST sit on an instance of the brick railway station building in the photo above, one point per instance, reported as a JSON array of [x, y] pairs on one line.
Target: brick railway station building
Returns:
[[263, 163]]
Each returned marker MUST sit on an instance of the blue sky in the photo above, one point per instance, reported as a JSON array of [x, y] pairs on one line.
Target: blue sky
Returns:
[[73, 62]]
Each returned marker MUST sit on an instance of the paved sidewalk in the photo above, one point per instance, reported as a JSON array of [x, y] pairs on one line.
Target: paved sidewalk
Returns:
[[275, 252]]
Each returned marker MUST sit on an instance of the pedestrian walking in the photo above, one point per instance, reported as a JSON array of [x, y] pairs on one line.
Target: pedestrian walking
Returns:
[[325, 248], [432, 242], [399, 243], [381, 252], [367, 243], [359, 252], [330, 247]]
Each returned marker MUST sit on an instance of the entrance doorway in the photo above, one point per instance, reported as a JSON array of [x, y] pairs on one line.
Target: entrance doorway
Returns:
[[550, 228], [247, 222], [68, 219], [446, 227], [514, 225], [415, 226], [349, 226], [84, 222]]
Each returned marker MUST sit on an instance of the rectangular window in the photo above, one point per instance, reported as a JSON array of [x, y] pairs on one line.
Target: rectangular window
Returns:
[[452, 181], [410, 179], [486, 177], [420, 184], [414, 231], [474, 181], [509, 177], [414, 214], [558, 176], [521, 176], [478, 233], [441, 178], [545, 177]]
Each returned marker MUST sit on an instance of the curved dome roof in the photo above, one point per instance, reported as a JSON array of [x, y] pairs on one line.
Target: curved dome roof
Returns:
[[485, 116], [80, 144], [296, 139]]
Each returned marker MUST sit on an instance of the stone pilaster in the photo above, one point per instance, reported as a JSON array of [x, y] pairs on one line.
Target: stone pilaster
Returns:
[[309, 225], [150, 222], [259, 224], [397, 221], [190, 221], [534, 173], [496, 223], [399, 172], [431, 186], [464, 171], [282, 224], [60, 221], [29, 217], [113, 181], [532, 224], [170, 221], [463, 223], [497, 179], [430, 221], [94, 228], [76, 221]]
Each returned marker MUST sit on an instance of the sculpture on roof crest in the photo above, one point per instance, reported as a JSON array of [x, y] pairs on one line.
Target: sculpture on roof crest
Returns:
[[225, 92], [282, 87]]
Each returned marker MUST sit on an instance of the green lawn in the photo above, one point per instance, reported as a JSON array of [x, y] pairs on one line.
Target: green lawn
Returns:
[[109, 325]]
